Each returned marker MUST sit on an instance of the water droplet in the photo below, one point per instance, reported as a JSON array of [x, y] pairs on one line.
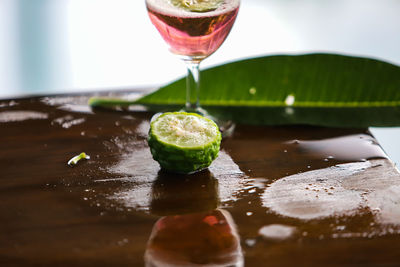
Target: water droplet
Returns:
[[250, 242], [123, 242], [341, 227], [251, 191], [249, 213], [277, 231]]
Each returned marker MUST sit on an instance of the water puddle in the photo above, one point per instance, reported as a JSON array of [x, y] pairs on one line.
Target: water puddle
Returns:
[[76, 104], [8, 104], [349, 148], [148, 188], [21, 115], [338, 191], [68, 121], [277, 232]]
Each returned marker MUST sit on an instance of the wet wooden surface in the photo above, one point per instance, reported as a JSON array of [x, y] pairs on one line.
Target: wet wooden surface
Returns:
[[276, 196]]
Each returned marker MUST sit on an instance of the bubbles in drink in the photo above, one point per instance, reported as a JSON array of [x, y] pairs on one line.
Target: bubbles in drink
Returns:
[[167, 7]]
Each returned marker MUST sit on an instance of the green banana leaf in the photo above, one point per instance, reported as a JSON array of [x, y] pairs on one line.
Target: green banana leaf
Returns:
[[317, 89]]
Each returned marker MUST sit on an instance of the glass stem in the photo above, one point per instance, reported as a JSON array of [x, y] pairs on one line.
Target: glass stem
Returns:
[[192, 86]]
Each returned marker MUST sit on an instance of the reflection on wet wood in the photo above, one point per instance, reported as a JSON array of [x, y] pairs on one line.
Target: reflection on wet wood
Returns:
[[203, 239], [275, 196]]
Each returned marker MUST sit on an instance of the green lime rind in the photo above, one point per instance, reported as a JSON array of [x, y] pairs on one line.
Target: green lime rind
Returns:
[[183, 159], [198, 5]]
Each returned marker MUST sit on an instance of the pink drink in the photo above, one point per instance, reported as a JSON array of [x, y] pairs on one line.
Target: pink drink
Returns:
[[193, 34]]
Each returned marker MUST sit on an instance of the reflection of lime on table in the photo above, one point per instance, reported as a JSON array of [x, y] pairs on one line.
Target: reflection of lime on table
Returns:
[[184, 142]]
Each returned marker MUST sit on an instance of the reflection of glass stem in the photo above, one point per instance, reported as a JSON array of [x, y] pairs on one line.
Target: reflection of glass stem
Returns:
[[197, 239]]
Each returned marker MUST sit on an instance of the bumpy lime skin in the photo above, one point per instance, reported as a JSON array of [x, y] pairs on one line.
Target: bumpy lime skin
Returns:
[[183, 160]]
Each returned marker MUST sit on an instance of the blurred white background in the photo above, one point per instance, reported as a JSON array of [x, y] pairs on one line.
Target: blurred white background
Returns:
[[73, 45], [59, 46]]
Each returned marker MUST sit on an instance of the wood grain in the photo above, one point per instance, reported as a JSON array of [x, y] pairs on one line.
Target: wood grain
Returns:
[[335, 188]]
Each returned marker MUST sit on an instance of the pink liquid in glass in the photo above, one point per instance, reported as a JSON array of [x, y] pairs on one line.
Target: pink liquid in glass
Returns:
[[193, 34]]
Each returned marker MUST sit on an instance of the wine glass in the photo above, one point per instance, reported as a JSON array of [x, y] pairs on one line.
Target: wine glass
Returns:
[[194, 29]]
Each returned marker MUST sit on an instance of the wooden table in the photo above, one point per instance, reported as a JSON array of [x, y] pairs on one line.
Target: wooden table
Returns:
[[276, 196]]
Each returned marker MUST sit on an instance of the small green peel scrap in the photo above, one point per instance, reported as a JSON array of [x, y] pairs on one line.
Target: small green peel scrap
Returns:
[[77, 158]]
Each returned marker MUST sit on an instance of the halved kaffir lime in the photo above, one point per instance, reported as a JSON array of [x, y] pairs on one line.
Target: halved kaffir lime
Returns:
[[184, 142]]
